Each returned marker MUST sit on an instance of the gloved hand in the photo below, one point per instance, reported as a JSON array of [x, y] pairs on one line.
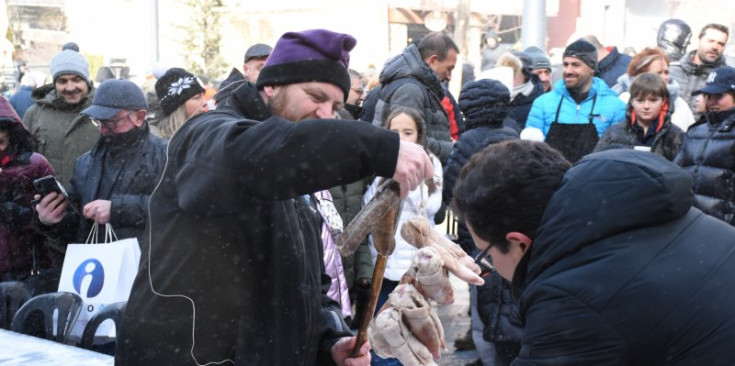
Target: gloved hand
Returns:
[[407, 328]]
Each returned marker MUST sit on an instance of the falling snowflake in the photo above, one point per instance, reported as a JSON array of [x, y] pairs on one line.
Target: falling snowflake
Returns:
[[183, 83]]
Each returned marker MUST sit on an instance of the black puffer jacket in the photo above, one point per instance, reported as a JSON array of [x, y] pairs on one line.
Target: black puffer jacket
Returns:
[[666, 142], [619, 274], [612, 66], [708, 154], [498, 311], [232, 249], [484, 104]]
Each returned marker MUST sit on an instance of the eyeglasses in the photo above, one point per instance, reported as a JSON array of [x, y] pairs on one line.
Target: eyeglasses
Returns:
[[485, 262], [110, 123]]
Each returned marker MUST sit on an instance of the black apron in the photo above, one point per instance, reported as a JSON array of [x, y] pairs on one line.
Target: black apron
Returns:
[[573, 140]]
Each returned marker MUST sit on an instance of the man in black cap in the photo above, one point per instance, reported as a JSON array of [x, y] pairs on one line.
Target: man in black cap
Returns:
[[232, 270], [707, 150], [112, 181], [254, 60], [579, 109], [540, 65]]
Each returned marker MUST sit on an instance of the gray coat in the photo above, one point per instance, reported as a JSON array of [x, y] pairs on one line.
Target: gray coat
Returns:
[[418, 88], [691, 77]]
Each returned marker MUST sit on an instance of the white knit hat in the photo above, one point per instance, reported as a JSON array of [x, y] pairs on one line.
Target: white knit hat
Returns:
[[69, 62]]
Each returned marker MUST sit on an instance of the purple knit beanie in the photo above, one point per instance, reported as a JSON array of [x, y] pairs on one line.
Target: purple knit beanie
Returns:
[[311, 55]]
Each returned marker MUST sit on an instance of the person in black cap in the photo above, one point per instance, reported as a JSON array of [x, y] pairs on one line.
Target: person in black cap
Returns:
[[579, 109], [254, 60], [232, 270], [707, 151], [180, 95], [540, 65], [113, 180]]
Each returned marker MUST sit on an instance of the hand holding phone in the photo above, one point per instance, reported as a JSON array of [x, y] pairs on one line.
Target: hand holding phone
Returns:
[[47, 185]]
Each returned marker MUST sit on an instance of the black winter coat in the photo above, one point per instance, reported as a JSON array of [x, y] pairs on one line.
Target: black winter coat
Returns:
[[708, 155], [623, 271], [666, 142], [520, 106], [612, 66], [145, 159], [485, 113], [406, 80], [236, 269]]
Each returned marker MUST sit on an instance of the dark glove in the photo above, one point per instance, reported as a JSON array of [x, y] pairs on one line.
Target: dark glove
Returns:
[[362, 296]]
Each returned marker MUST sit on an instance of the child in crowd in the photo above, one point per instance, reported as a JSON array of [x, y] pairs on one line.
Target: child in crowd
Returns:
[[647, 124], [424, 200]]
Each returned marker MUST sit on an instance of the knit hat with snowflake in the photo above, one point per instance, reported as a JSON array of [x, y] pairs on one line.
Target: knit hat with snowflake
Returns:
[[175, 87]]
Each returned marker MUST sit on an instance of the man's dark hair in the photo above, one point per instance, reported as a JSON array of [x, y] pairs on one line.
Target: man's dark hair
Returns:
[[506, 187], [436, 43], [715, 26]]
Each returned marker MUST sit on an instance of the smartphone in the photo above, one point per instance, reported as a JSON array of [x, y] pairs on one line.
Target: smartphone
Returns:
[[47, 185]]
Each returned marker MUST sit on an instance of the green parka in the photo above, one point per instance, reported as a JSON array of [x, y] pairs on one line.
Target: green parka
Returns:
[[60, 133]]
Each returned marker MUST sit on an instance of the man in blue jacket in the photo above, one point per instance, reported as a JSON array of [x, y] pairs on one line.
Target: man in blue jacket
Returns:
[[609, 260], [580, 108]]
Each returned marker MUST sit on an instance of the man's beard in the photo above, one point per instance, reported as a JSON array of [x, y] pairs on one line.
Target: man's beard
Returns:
[[703, 57], [278, 106]]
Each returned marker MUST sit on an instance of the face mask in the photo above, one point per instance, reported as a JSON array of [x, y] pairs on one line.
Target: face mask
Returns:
[[124, 139]]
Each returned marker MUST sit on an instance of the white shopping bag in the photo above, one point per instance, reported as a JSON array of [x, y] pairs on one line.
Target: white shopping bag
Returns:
[[101, 273]]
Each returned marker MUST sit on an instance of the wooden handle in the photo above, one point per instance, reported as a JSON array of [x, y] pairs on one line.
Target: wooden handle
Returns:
[[367, 314], [384, 242]]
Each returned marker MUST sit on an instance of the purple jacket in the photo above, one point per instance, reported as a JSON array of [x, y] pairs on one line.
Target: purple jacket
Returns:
[[21, 248]]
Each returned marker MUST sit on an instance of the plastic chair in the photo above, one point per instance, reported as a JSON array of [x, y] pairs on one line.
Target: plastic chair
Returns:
[[112, 311], [13, 294], [36, 316]]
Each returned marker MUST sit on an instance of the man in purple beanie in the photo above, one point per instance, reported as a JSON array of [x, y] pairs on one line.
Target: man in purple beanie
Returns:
[[232, 270]]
